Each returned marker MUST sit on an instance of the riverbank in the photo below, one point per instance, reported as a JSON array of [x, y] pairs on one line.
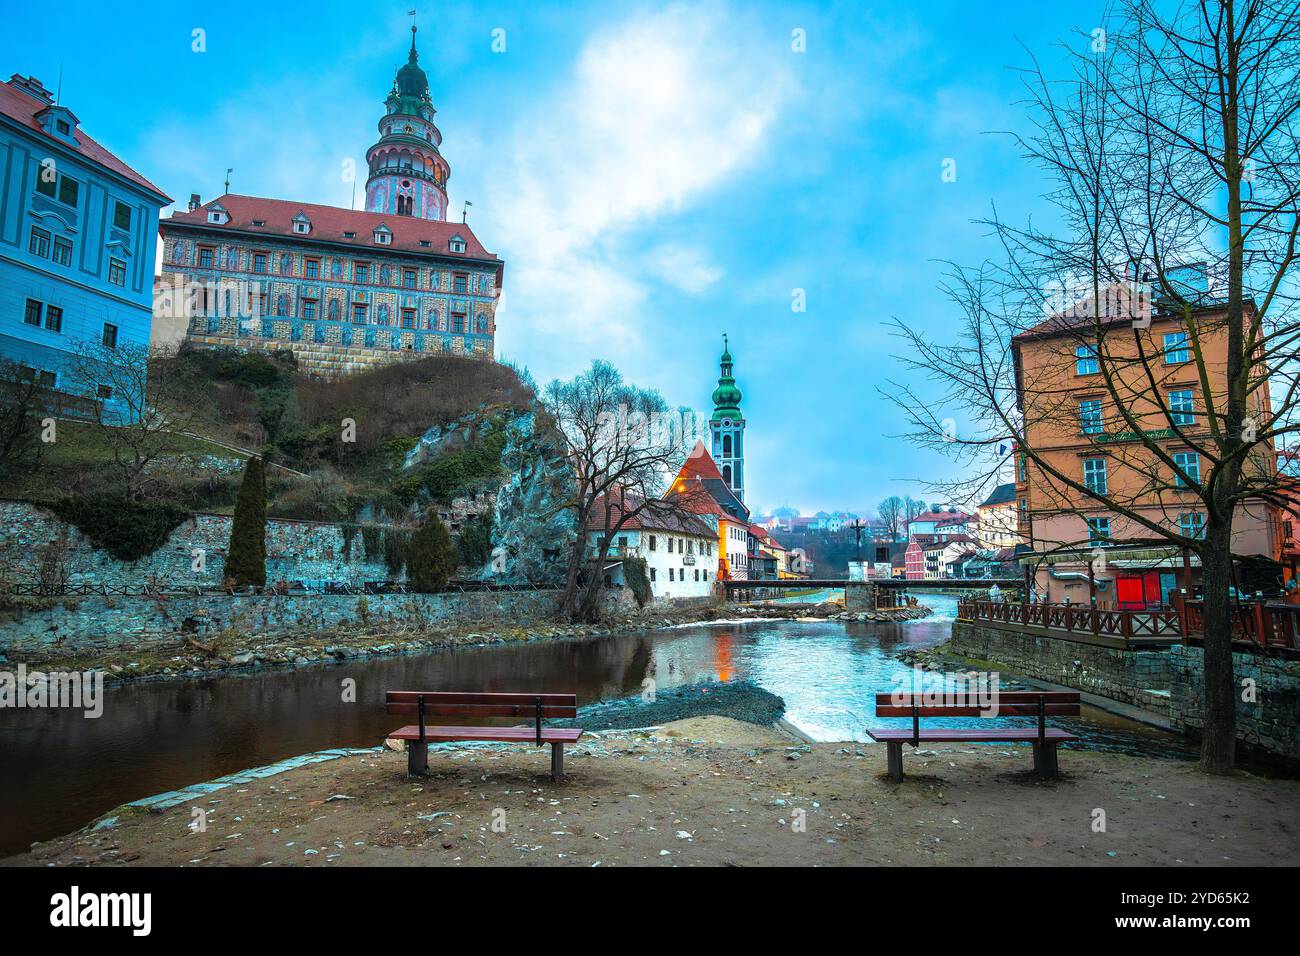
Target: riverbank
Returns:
[[709, 791], [184, 655]]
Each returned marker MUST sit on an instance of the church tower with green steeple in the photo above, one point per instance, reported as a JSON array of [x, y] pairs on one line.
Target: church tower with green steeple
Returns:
[[727, 427]]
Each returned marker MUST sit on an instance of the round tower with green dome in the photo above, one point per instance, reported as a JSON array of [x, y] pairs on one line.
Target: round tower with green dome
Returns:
[[727, 427], [408, 175]]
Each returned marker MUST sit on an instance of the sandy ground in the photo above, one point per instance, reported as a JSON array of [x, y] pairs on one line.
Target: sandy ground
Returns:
[[714, 791]]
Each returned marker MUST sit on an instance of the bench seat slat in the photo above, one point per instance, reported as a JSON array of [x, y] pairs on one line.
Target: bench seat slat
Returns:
[[1004, 710], [1003, 696], [461, 697], [436, 709], [550, 735], [938, 734]]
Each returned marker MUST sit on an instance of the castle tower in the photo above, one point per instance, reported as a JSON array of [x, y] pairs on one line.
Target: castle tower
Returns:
[[727, 427], [408, 176]]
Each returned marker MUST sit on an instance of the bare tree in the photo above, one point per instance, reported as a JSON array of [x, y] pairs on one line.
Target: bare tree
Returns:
[[1174, 141], [143, 402], [626, 445], [21, 404], [891, 513]]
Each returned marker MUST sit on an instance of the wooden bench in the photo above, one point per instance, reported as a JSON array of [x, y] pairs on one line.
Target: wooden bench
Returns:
[[425, 705], [1020, 703]]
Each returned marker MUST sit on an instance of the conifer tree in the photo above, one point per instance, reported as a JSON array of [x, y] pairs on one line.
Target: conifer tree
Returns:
[[246, 557], [431, 557]]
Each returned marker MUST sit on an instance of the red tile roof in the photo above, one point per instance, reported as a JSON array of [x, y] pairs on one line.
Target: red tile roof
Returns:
[[23, 107], [656, 516], [329, 223], [700, 464]]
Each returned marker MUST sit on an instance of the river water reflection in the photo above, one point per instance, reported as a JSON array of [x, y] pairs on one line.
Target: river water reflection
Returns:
[[59, 770]]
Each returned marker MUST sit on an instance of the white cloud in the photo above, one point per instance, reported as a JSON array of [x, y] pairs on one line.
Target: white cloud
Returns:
[[688, 269], [659, 109]]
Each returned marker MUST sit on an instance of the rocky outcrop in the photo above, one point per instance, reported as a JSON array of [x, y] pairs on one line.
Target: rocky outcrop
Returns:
[[532, 531]]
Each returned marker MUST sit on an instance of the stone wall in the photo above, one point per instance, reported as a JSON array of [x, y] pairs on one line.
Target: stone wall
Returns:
[[88, 624], [1271, 722], [1135, 677], [295, 551]]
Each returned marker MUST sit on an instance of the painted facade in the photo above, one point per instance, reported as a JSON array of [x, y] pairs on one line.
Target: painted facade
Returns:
[[78, 229], [342, 289]]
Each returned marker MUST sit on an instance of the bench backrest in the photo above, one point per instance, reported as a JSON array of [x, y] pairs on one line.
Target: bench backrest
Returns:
[[1008, 703], [458, 704]]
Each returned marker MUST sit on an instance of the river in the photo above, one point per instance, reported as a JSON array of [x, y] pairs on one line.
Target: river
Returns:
[[59, 770]]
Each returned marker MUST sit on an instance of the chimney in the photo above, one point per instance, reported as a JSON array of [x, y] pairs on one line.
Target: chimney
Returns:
[[195, 202], [31, 85]]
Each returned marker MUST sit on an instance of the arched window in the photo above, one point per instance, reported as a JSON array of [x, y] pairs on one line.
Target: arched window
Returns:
[[726, 474], [726, 446]]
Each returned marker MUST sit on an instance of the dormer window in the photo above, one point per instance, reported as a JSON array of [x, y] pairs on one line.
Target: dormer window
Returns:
[[456, 243], [349, 235], [59, 122], [301, 224], [383, 236], [217, 214]]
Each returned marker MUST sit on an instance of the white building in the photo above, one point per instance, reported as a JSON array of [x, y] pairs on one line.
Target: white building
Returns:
[[680, 551]]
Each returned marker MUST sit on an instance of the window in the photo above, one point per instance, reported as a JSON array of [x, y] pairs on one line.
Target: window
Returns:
[[458, 321], [311, 268], [1176, 350], [670, 574], [122, 215], [1085, 360], [670, 545], [383, 238], [32, 314], [456, 244], [1094, 475], [309, 308], [361, 272], [460, 282], [39, 244], [359, 313], [1192, 524], [103, 393], [1090, 416], [109, 338], [408, 278], [259, 262], [206, 257], [259, 223], [54, 318], [1024, 514], [1024, 469], [62, 251], [652, 574], [1190, 463], [1098, 532], [408, 318], [117, 272], [67, 191], [45, 184], [1181, 410], [652, 542]]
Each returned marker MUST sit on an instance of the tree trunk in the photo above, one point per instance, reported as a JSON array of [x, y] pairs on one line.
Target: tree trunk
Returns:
[[1219, 738]]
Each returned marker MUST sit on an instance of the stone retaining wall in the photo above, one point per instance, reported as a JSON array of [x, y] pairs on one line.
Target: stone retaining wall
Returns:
[[1270, 722], [88, 624], [295, 551], [1135, 677]]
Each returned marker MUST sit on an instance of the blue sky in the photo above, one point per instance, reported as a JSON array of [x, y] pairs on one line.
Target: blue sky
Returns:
[[653, 175]]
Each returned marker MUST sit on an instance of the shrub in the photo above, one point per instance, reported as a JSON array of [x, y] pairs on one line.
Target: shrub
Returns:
[[246, 558], [431, 557], [128, 530], [475, 541]]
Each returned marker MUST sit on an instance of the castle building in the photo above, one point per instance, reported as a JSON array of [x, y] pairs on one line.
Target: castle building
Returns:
[[342, 289], [78, 231], [727, 427]]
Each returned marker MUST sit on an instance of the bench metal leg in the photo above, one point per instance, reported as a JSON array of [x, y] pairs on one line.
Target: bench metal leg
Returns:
[[895, 752], [1045, 760], [557, 762], [417, 758]]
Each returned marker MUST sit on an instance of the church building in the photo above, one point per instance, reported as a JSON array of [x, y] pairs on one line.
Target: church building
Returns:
[[342, 289]]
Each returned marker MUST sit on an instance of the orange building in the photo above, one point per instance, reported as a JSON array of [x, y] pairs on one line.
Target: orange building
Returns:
[[1073, 420]]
